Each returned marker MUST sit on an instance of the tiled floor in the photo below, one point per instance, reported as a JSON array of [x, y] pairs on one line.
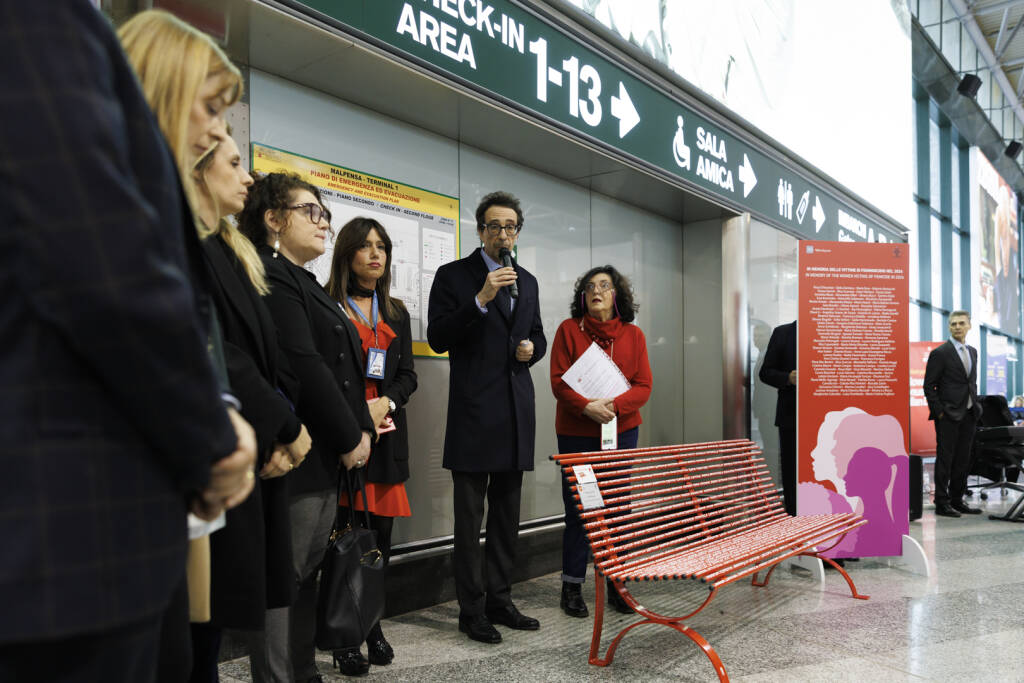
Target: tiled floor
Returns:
[[963, 623]]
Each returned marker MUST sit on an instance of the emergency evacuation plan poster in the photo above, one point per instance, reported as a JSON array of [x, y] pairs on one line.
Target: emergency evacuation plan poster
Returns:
[[423, 225], [853, 391]]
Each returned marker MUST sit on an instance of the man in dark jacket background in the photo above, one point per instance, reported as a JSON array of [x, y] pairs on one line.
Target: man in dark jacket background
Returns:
[[951, 387]]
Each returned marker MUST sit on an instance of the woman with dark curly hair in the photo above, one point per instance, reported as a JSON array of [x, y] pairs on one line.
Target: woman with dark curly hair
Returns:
[[602, 310], [285, 217]]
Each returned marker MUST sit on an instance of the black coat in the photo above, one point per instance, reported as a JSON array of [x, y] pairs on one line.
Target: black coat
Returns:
[[251, 567], [779, 361], [110, 412], [389, 463], [326, 355], [947, 385], [491, 420]]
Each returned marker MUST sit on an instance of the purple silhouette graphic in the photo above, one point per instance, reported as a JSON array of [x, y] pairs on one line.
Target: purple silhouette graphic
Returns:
[[882, 486], [860, 464]]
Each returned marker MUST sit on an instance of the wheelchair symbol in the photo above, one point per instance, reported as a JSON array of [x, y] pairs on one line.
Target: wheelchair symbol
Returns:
[[680, 150]]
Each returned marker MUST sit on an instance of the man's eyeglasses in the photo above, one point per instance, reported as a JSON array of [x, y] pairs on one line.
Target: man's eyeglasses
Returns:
[[314, 211], [602, 286], [512, 229]]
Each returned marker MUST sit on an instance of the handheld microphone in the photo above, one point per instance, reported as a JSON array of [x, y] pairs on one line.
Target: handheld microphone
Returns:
[[506, 260]]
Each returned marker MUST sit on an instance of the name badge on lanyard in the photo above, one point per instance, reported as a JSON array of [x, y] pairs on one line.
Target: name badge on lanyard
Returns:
[[375, 357]]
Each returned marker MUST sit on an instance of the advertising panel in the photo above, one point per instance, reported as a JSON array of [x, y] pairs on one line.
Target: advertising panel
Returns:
[[997, 356], [423, 225], [922, 430], [995, 250], [853, 390]]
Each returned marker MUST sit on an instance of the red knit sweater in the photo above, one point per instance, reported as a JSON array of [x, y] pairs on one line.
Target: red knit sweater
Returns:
[[629, 351]]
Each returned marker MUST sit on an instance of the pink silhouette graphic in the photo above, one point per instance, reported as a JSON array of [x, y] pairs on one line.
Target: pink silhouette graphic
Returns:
[[848, 454]]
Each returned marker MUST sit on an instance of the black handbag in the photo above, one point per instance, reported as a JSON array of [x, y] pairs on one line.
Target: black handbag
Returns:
[[351, 596]]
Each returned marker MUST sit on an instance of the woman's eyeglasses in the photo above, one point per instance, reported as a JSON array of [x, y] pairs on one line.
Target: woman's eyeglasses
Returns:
[[314, 211], [602, 286]]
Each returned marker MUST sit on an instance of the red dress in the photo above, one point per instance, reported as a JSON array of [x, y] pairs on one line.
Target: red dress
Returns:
[[386, 500]]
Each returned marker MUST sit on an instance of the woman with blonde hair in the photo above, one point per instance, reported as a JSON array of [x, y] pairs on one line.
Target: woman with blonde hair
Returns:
[[188, 82], [250, 566]]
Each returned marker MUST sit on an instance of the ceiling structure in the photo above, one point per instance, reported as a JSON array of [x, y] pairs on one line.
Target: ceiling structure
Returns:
[[997, 29]]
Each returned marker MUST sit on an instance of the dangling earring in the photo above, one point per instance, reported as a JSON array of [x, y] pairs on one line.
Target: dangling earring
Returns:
[[615, 305], [277, 243]]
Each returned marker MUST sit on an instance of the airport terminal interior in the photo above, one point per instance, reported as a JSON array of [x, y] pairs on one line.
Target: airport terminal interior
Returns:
[[700, 146], [960, 623]]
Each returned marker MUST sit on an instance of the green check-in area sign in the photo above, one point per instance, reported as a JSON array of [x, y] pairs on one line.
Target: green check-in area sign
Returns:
[[501, 48]]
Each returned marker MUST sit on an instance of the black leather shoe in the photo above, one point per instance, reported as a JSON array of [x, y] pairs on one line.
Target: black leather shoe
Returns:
[[572, 600], [964, 509], [479, 629], [615, 600], [946, 510], [378, 651], [351, 662], [513, 618]]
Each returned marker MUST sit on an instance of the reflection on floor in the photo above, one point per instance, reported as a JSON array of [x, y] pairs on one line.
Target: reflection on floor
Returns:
[[965, 622]]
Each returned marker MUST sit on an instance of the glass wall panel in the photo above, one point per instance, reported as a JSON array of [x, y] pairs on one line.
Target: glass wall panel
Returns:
[[915, 322], [936, 260], [935, 184], [954, 276], [915, 265], [773, 301], [939, 328], [954, 187]]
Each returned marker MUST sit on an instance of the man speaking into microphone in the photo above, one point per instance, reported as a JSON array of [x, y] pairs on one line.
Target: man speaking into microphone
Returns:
[[484, 312]]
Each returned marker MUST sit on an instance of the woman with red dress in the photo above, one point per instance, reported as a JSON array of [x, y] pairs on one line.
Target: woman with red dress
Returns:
[[601, 312], [360, 281]]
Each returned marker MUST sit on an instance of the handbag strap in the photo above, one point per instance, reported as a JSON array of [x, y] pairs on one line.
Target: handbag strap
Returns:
[[361, 481]]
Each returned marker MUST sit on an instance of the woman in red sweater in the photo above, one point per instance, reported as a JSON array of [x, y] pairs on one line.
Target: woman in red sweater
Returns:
[[602, 313]]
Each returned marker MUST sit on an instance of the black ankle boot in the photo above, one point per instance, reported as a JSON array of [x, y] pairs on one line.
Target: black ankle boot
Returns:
[[378, 650], [572, 600], [351, 662]]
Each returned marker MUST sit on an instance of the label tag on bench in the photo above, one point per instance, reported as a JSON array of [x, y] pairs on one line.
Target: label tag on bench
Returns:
[[610, 435], [586, 485]]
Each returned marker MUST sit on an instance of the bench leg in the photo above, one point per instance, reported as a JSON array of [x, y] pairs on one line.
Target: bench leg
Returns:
[[762, 584], [651, 618]]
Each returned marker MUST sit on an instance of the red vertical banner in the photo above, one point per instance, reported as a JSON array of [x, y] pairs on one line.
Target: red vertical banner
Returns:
[[922, 430], [853, 390]]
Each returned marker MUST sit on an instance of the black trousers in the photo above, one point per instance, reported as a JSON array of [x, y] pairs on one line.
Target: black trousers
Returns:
[[575, 550], [953, 440], [787, 466], [126, 653], [480, 585]]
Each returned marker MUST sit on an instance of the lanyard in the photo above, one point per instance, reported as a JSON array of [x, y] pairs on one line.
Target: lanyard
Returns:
[[373, 314]]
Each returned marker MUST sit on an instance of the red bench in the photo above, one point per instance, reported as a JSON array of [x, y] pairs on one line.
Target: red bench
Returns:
[[705, 512]]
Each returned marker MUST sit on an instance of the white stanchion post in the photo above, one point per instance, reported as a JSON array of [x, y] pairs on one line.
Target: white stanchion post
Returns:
[[812, 564], [912, 558]]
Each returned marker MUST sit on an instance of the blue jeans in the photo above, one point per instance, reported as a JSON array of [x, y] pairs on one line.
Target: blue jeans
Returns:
[[574, 539]]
